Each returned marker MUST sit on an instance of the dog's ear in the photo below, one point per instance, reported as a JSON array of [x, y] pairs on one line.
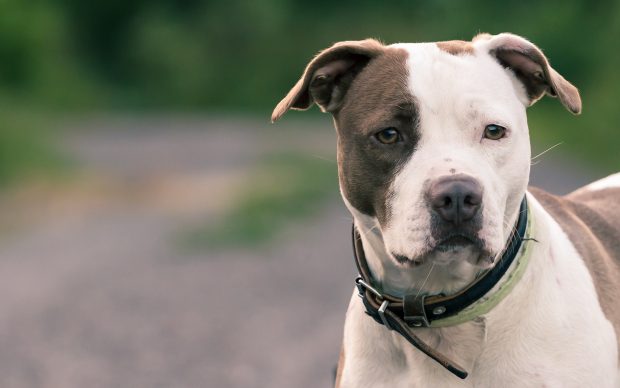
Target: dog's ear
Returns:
[[532, 68], [328, 76]]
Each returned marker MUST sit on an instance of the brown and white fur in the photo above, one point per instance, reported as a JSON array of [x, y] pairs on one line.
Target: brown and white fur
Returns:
[[559, 326]]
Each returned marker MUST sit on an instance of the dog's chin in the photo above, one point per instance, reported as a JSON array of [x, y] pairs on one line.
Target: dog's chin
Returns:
[[451, 250]]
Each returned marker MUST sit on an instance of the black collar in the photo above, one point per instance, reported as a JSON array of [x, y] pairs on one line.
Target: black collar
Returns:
[[400, 314]]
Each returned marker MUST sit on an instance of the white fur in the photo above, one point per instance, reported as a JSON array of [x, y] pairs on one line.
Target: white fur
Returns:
[[549, 331], [456, 100], [605, 183]]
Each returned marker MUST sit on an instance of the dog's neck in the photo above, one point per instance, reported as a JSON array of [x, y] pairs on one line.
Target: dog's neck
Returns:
[[430, 277]]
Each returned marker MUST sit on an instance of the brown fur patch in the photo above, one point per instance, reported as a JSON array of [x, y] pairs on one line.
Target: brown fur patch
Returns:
[[378, 98], [591, 219], [456, 47], [532, 68], [346, 54], [364, 84]]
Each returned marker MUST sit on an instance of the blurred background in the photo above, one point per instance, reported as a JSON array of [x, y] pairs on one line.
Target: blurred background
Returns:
[[157, 231]]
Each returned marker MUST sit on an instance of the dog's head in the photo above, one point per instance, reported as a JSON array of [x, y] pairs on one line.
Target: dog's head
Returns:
[[433, 143]]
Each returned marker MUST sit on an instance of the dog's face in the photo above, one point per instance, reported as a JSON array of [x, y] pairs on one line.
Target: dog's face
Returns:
[[433, 143], [434, 148]]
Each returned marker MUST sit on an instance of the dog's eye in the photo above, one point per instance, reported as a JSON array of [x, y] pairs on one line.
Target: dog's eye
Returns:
[[494, 132], [388, 135]]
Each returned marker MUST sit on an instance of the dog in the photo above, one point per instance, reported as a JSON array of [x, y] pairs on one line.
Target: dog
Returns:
[[470, 278]]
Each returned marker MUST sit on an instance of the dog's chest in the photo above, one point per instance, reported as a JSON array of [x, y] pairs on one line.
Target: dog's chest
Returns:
[[395, 363], [464, 344], [382, 358]]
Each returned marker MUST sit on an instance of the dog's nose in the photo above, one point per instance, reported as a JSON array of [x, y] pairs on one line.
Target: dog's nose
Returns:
[[455, 198]]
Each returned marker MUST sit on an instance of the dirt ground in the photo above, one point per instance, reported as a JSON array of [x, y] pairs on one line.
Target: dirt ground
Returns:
[[95, 291]]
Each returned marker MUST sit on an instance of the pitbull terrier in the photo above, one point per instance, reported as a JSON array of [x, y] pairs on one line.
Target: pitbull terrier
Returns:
[[472, 279]]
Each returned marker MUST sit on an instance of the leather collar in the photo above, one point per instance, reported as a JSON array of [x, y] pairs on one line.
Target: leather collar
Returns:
[[401, 314]]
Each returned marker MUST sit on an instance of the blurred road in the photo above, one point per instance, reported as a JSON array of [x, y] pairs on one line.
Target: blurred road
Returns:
[[95, 291]]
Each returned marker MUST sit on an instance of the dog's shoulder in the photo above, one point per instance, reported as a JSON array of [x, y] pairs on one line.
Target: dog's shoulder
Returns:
[[590, 217], [595, 207]]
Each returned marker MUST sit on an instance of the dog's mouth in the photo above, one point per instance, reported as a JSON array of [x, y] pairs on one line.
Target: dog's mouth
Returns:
[[456, 242], [451, 248]]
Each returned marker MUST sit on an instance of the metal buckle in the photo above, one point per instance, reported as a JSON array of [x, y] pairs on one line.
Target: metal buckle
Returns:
[[381, 312], [361, 285], [413, 311]]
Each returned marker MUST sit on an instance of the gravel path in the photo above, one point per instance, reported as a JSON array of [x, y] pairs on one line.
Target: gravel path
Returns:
[[96, 293]]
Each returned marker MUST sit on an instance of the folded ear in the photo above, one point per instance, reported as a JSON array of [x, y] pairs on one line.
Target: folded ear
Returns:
[[532, 68], [328, 76]]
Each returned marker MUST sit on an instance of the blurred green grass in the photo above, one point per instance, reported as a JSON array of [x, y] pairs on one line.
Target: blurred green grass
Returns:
[[238, 57], [281, 189], [26, 150]]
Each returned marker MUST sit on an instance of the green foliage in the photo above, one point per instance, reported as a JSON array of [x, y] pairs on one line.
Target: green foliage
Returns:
[[284, 188], [240, 55], [25, 150]]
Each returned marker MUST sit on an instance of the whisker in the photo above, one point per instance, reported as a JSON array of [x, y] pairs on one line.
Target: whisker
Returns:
[[375, 227], [322, 158], [425, 280], [545, 151], [371, 229]]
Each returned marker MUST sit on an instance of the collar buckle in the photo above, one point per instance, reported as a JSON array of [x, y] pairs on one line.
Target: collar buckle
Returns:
[[362, 286]]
